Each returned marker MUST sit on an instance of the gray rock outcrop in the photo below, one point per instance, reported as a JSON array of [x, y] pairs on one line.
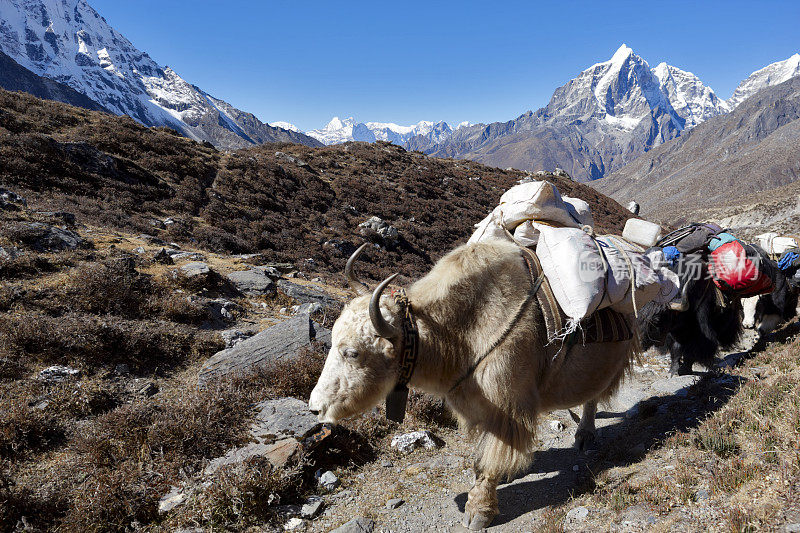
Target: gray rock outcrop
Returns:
[[305, 294], [276, 343], [253, 282]]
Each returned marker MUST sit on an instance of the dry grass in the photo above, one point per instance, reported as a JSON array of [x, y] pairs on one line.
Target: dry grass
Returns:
[[744, 455]]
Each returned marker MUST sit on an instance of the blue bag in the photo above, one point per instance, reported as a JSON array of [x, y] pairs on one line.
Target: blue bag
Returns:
[[719, 240]]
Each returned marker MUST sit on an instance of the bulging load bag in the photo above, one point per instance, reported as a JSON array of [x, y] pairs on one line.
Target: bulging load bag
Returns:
[[776, 244], [782, 244], [541, 201], [737, 270], [628, 266], [526, 203], [587, 274], [574, 268]]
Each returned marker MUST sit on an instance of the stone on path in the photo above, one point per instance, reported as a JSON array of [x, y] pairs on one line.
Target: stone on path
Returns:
[[578, 514], [356, 525], [312, 508], [277, 453], [328, 480], [394, 503], [293, 524], [416, 439]]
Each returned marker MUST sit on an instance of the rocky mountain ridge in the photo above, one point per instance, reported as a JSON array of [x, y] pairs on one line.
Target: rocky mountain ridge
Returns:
[[69, 42], [728, 159], [599, 121]]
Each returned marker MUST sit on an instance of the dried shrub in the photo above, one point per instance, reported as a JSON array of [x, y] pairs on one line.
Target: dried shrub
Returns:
[[717, 436], [93, 341], [728, 476], [24, 431], [109, 287], [241, 496], [25, 265]]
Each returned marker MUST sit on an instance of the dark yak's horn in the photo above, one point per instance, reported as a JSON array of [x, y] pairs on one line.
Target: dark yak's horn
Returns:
[[352, 279], [383, 328]]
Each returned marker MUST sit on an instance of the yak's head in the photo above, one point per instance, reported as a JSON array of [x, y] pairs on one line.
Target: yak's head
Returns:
[[362, 366]]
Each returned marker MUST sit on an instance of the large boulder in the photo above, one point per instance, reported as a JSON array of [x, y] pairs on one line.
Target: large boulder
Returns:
[[284, 417], [279, 342], [253, 282], [195, 269], [305, 294], [378, 229], [45, 237]]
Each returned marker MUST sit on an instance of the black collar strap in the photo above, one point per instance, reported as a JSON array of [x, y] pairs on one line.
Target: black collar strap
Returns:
[[397, 399]]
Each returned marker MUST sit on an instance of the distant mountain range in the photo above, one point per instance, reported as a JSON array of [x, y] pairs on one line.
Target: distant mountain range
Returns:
[[727, 159], [344, 130], [593, 126], [70, 43], [606, 117]]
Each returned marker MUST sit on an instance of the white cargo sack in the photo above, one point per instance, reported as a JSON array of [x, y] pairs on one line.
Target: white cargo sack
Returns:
[[575, 270], [526, 203], [652, 281], [587, 274], [782, 244]]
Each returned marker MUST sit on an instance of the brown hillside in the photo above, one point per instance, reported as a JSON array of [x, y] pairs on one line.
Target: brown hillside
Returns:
[[291, 203]]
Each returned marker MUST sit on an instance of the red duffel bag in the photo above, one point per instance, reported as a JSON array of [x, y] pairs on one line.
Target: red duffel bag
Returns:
[[737, 270]]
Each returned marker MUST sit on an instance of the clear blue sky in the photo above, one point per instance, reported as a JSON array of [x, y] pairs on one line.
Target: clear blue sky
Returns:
[[306, 61]]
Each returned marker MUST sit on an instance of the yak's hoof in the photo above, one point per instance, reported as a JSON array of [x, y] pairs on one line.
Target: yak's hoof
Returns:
[[584, 438], [477, 521]]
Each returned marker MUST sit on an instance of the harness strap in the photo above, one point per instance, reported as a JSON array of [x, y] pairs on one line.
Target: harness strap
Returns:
[[553, 319], [536, 283]]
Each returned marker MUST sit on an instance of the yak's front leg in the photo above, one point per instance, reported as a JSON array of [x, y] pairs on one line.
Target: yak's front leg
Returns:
[[497, 459], [481, 507], [586, 432]]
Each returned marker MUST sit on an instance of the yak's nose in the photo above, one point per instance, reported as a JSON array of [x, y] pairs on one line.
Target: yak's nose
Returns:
[[314, 411]]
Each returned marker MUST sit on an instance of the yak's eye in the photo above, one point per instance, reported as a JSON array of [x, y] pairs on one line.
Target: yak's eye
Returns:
[[351, 353]]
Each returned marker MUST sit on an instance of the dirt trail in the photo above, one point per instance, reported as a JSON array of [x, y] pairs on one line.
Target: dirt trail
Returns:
[[434, 483]]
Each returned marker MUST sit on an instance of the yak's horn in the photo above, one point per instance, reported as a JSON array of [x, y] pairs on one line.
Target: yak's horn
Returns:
[[380, 324], [683, 305], [352, 279]]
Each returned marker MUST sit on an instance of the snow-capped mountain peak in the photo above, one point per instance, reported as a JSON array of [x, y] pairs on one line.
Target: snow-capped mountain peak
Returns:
[[689, 97], [69, 42], [286, 126], [339, 131], [621, 92], [768, 76]]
